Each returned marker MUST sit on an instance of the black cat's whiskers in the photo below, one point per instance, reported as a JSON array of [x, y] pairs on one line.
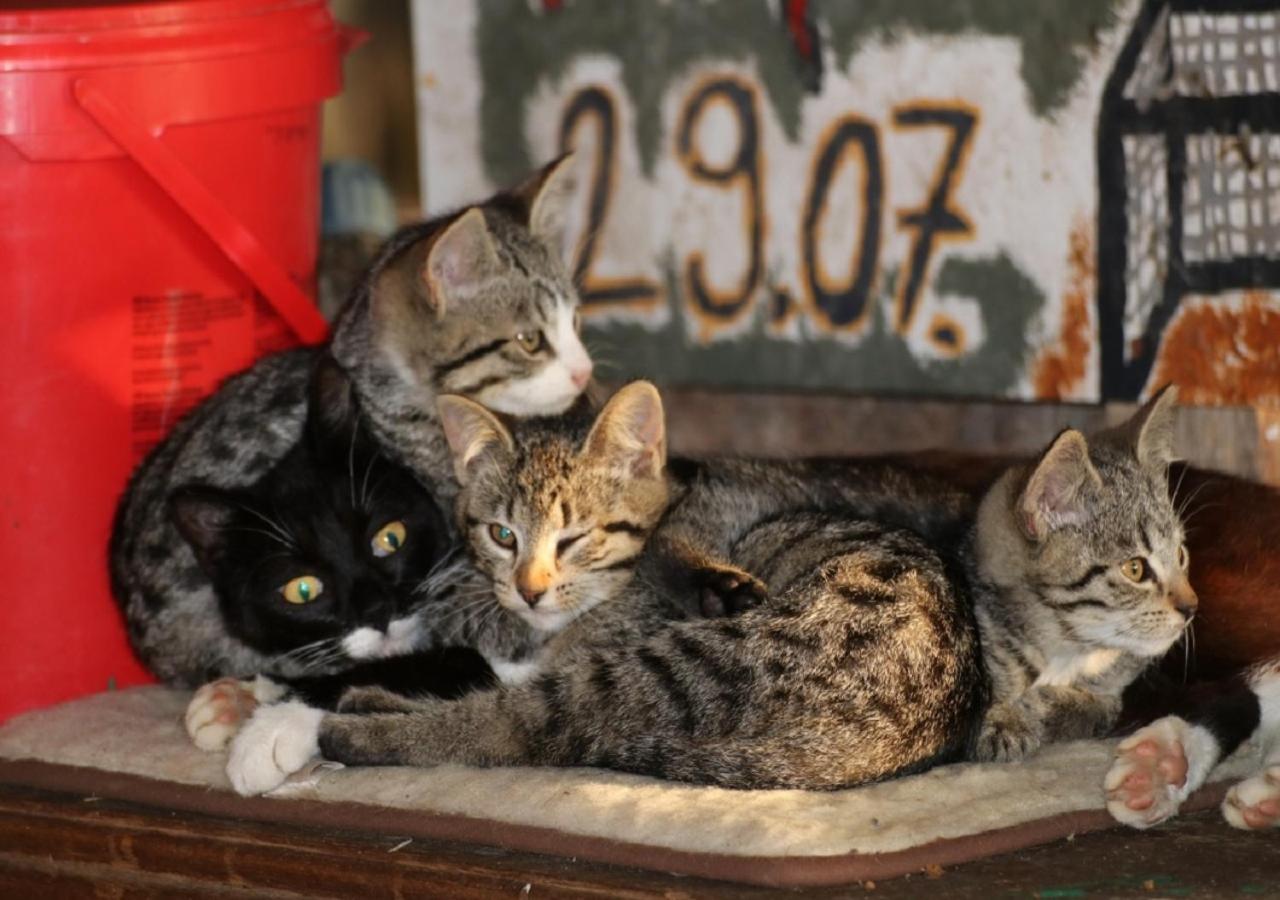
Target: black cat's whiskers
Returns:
[[278, 531], [443, 574], [315, 655]]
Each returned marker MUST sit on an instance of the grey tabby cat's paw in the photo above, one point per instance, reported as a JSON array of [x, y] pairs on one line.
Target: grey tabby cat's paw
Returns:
[[374, 700], [219, 708], [727, 591], [1008, 734], [1255, 802]]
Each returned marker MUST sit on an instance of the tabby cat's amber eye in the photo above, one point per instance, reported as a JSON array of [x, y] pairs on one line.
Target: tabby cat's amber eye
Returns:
[[1134, 569], [1184, 557], [502, 535], [303, 589], [389, 539], [529, 341]]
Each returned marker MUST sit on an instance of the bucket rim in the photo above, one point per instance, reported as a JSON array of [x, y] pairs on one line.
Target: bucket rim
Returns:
[[121, 17]]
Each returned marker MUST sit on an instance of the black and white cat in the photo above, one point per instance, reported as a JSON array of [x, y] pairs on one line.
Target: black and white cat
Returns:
[[477, 302]]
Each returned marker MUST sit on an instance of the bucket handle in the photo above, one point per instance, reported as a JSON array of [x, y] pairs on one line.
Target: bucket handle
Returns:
[[240, 245]]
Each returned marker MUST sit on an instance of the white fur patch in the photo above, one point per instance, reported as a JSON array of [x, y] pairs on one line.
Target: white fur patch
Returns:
[[552, 389], [1062, 671], [509, 672], [278, 741]]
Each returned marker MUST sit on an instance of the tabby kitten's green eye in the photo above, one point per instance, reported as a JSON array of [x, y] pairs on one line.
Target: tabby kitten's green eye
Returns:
[[1184, 557], [502, 535], [302, 589], [389, 539], [530, 341], [1134, 569]]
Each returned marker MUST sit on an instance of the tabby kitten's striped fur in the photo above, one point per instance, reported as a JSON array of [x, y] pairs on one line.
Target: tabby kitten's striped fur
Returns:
[[863, 660]]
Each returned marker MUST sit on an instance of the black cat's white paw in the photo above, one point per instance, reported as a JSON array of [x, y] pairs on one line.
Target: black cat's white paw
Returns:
[[1254, 803], [1008, 734], [219, 708], [1148, 781], [278, 741]]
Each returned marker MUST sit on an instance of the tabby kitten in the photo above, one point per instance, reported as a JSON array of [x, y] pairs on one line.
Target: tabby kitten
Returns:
[[1083, 568], [476, 302], [861, 663]]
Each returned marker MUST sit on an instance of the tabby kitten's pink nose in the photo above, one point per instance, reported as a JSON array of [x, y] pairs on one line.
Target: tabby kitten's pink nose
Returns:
[[531, 596], [581, 376]]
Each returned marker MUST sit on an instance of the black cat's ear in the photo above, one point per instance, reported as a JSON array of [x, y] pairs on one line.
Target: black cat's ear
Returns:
[[547, 194], [476, 436], [202, 516], [332, 411], [630, 434], [1058, 491], [460, 261]]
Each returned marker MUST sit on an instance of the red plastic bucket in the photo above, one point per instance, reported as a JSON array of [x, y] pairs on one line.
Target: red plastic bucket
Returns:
[[159, 214]]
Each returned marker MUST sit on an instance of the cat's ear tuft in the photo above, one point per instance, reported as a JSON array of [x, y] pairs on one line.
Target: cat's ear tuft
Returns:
[[547, 194], [1058, 491], [461, 259], [202, 516], [476, 436], [630, 434]]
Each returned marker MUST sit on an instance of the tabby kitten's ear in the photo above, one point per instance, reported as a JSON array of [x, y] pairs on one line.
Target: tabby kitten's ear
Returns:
[[630, 434], [547, 194], [1151, 429], [460, 260], [476, 436], [202, 515], [1057, 493]]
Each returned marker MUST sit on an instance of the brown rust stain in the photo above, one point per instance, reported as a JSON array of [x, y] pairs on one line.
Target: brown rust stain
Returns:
[[1220, 352], [1061, 367]]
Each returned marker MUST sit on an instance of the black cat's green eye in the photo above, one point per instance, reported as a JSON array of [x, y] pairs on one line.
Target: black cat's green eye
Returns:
[[529, 341], [502, 535], [1184, 557], [1134, 569], [389, 539], [303, 589]]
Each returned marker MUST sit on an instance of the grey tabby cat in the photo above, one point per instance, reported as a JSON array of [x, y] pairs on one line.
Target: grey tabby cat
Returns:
[[864, 658], [477, 303]]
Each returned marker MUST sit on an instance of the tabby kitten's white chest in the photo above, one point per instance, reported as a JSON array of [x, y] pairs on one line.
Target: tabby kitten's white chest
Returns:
[[1062, 671]]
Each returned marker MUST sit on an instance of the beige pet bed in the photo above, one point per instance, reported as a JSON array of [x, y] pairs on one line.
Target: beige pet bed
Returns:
[[130, 745]]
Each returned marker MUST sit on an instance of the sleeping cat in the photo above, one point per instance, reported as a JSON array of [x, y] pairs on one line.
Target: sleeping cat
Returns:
[[861, 662], [476, 302], [1160, 765]]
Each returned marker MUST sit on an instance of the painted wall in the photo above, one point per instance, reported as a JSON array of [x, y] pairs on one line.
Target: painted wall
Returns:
[[892, 196]]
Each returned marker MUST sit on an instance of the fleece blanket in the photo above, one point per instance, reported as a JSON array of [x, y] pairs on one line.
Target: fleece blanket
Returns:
[[131, 745]]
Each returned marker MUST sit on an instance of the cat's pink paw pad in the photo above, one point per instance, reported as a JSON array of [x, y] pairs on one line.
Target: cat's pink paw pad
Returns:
[[1254, 803], [219, 708], [1146, 783]]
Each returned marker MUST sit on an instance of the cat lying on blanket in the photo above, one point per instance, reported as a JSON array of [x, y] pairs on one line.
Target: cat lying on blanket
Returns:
[[861, 660]]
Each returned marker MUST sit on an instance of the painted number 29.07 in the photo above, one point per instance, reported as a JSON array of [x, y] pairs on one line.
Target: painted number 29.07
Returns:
[[834, 302]]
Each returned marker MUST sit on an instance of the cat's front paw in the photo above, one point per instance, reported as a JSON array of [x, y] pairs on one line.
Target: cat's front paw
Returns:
[[1148, 780], [219, 708], [1008, 734], [1254, 803], [278, 741], [727, 591]]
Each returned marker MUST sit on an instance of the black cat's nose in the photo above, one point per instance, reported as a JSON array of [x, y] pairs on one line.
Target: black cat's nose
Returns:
[[531, 596]]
